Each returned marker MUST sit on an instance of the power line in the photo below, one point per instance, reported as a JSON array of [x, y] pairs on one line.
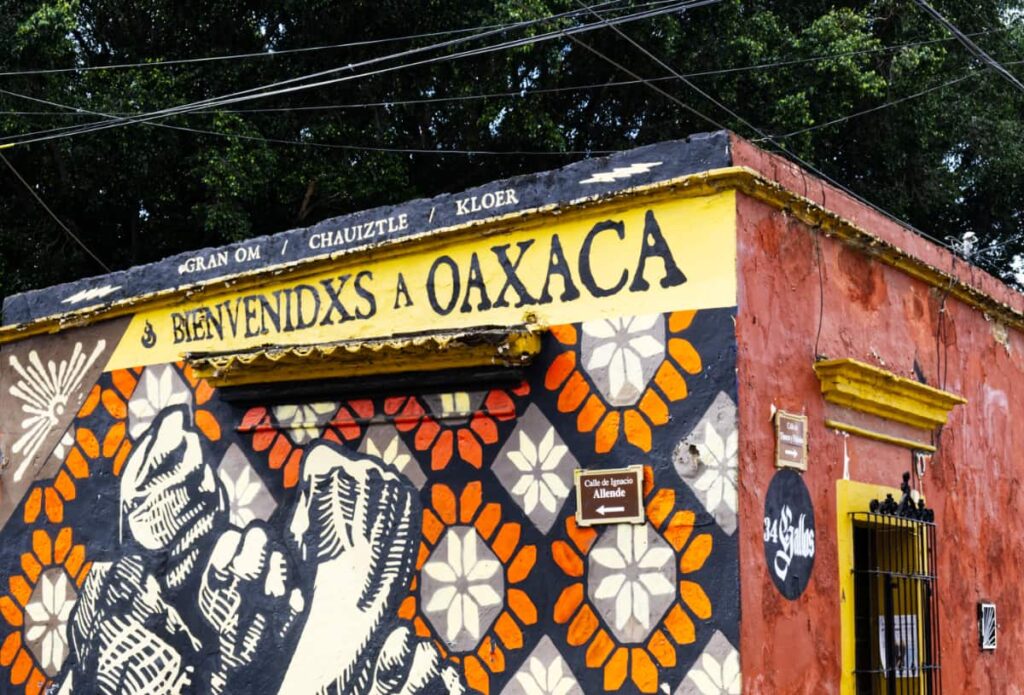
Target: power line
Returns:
[[270, 53], [52, 214], [238, 56], [117, 121], [255, 93], [333, 146], [893, 102], [764, 136], [971, 46], [648, 83], [527, 92], [236, 96], [703, 73], [685, 80]]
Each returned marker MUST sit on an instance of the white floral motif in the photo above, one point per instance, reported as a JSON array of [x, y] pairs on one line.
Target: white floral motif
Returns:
[[247, 495], [384, 443], [536, 466], [543, 673], [629, 581], [707, 460], [623, 354], [545, 680], [465, 580], [537, 462], [716, 672], [44, 391], [304, 422], [718, 481], [391, 454], [46, 620], [160, 387]]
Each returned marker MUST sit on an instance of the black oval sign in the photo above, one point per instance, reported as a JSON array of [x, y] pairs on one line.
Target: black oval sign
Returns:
[[789, 533]]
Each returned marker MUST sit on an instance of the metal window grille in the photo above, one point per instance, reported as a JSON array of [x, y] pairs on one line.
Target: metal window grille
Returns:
[[896, 606]]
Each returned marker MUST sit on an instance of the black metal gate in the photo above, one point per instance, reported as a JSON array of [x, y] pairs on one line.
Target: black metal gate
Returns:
[[896, 605]]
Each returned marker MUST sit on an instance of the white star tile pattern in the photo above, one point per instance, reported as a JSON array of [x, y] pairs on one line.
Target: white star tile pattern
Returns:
[[716, 672], [707, 461], [383, 442], [463, 588], [305, 422], [159, 388], [46, 619], [536, 467], [543, 673], [248, 496], [632, 579], [621, 355]]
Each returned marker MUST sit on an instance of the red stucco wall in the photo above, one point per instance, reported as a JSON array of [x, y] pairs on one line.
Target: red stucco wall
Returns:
[[881, 316]]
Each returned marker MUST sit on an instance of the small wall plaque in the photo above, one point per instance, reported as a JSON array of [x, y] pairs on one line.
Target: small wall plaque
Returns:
[[790, 441], [610, 496]]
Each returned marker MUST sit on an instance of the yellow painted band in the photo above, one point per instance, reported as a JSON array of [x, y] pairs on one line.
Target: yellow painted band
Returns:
[[658, 257]]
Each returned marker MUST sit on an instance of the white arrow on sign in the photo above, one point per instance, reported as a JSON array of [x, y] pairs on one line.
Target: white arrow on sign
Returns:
[[602, 510]]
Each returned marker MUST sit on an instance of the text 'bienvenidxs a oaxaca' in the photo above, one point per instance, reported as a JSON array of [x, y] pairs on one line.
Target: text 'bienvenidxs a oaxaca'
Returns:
[[658, 256]]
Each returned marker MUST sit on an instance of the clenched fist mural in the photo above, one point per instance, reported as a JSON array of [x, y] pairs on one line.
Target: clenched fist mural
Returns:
[[324, 583]]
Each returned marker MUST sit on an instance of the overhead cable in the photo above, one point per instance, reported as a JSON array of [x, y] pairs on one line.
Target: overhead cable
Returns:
[[763, 136], [255, 93], [975, 50], [522, 93], [324, 145], [51, 213], [270, 53], [885, 105]]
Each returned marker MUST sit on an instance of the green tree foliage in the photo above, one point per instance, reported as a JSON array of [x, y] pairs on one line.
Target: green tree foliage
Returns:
[[949, 160]]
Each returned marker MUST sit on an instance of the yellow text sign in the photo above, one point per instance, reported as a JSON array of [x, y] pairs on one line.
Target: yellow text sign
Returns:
[[656, 257]]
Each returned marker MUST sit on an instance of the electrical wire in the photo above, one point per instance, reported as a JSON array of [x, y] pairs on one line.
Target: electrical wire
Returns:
[[648, 83], [374, 148], [764, 136], [113, 120], [271, 53], [324, 145], [255, 93], [238, 56], [974, 48], [529, 92], [56, 219], [893, 102], [519, 93]]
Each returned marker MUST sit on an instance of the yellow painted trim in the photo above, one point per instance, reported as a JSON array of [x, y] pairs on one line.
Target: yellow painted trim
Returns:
[[879, 392], [358, 358], [851, 496], [879, 436], [742, 179]]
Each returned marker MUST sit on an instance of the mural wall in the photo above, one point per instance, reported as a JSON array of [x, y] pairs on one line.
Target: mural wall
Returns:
[[159, 536], [400, 542]]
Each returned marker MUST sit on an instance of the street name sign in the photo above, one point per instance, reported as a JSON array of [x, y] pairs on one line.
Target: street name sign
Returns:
[[790, 441], [610, 496]]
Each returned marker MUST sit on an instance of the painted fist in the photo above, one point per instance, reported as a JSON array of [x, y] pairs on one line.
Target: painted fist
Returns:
[[170, 498]]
